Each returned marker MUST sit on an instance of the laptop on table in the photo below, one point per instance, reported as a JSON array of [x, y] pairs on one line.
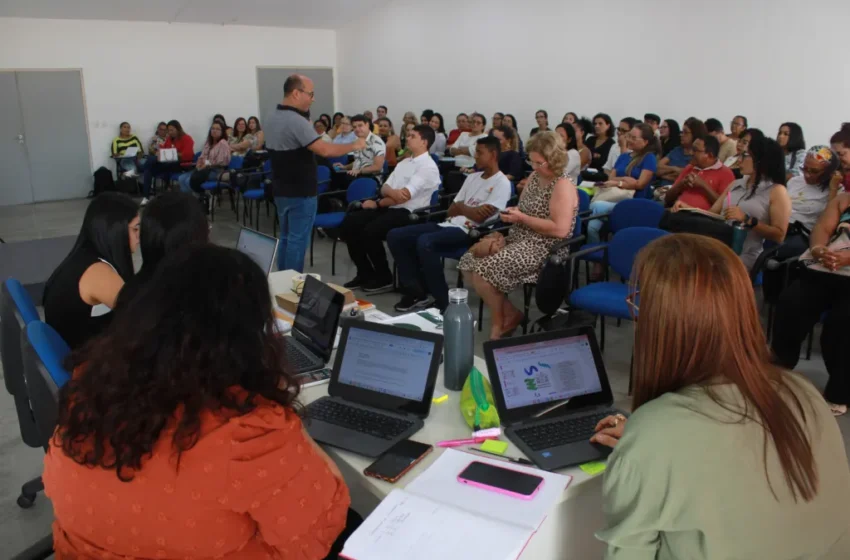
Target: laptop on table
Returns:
[[380, 389], [550, 390], [260, 247], [314, 329]]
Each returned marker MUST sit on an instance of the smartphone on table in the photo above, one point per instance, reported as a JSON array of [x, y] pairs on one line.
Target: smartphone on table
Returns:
[[399, 459], [501, 480]]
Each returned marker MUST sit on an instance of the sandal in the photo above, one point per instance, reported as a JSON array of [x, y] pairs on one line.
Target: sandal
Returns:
[[837, 409]]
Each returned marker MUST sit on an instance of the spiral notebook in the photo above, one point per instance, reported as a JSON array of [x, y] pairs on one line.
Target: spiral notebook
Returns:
[[438, 517]]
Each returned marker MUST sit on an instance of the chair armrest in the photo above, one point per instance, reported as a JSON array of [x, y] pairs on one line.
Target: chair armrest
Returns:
[[587, 216], [481, 231], [564, 243], [589, 251], [358, 204], [585, 213]]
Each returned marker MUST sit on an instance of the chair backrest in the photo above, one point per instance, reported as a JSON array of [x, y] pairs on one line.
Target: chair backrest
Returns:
[[342, 160], [626, 244], [44, 351], [323, 174], [360, 188], [635, 212], [197, 156], [267, 166], [13, 320], [236, 162], [436, 159], [435, 197], [583, 200]]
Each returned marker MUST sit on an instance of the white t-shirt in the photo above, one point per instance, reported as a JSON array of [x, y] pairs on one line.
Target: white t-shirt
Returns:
[[477, 191], [612, 157], [418, 175], [807, 201], [573, 166], [466, 141]]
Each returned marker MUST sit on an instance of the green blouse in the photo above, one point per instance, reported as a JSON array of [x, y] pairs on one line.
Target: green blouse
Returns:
[[687, 481]]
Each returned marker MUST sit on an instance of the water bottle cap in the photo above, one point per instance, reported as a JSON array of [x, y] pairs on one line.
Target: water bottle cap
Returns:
[[458, 295]]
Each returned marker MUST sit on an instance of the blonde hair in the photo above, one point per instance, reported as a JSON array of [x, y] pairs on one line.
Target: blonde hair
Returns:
[[551, 148]]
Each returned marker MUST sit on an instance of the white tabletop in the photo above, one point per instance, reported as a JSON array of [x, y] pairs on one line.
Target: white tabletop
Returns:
[[566, 533]]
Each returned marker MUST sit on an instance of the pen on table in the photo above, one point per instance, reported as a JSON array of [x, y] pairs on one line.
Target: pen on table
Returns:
[[517, 460], [459, 442]]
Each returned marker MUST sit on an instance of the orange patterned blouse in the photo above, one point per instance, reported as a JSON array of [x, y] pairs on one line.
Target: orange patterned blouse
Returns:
[[252, 487]]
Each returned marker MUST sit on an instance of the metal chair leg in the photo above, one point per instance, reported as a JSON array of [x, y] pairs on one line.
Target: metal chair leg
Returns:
[[312, 242], [809, 345], [480, 314], [526, 300], [333, 258], [631, 371], [29, 491]]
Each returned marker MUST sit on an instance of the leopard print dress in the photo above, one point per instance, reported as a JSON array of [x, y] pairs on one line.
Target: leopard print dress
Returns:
[[525, 251]]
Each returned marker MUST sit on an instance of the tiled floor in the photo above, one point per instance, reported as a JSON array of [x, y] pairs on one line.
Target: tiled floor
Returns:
[[18, 463]]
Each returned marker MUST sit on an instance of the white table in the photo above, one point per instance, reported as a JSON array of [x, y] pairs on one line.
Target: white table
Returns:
[[566, 534]]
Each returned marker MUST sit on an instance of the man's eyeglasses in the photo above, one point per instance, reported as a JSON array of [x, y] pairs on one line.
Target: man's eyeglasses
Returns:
[[312, 94], [624, 130]]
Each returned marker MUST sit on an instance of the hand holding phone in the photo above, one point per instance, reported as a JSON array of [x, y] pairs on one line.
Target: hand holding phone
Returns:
[[398, 460], [509, 482]]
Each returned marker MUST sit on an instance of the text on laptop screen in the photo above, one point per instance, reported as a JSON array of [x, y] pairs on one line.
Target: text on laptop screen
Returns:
[[317, 315], [542, 372], [261, 248], [386, 363]]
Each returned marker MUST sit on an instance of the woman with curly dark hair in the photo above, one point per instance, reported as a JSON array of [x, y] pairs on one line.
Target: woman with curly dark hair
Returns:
[[178, 435]]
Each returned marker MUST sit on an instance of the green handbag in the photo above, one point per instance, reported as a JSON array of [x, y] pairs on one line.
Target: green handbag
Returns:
[[476, 402]]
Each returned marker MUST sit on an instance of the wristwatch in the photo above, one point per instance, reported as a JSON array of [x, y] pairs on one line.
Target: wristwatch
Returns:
[[752, 221]]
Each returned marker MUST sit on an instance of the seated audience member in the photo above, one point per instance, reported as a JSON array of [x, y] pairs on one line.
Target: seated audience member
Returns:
[[728, 146], [464, 149], [619, 148], [373, 126], [758, 200], [81, 293], [568, 136], [408, 119], [510, 121], [510, 162], [496, 265], [438, 148], [790, 137], [126, 139], [840, 142], [744, 141], [409, 187], [368, 162], [706, 401], [582, 127], [417, 249], [214, 159], [703, 180], [811, 191], [322, 130], [425, 117], [462, 123], [169, 223], [654, 121], [671, 165], [334, 129], [183, 418], [158, 139], [496, 120], [242, 140], [542, 118], [346, 132], [820, 295], [601, 142], [737, 127], [405, 152], [219, 118], [256, 130], [391, 140], [569, 117], [381, 111], [185, 146], [670, 136]]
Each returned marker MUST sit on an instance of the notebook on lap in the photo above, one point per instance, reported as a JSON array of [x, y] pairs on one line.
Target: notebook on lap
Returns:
[[551, 389], [380, 390], [313, 331]]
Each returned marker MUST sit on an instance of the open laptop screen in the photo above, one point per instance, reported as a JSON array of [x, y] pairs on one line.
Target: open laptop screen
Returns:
[[318, 316], [545, 371], [261, 248], [386, 363]]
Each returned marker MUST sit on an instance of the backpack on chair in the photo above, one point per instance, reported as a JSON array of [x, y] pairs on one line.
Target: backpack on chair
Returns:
[[103, 182]]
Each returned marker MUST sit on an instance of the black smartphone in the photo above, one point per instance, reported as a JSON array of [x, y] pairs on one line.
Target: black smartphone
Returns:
[[501, 480], [400, 458]]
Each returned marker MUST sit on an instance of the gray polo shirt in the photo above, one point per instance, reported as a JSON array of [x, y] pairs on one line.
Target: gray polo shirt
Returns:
[[288, 135]]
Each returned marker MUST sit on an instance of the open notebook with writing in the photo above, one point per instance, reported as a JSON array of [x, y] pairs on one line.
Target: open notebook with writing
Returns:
[[436, 516]]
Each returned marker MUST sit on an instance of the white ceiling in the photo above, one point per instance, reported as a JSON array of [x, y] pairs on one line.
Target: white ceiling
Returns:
[[313, 14]]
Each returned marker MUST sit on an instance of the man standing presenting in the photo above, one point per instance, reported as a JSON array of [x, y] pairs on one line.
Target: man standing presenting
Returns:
[[292, 143]]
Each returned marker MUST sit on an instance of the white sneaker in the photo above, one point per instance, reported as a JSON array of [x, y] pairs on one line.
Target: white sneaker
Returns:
[[144, 201]]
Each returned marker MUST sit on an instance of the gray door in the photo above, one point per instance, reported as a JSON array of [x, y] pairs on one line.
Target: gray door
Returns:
[[270, 88], [56, 134], [15, 186]]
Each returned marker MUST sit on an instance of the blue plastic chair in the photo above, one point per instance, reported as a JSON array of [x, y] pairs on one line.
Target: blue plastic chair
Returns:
[[51, 350], [17, 310], [608, 299], [215, 186], [361, 188], [323, 175]]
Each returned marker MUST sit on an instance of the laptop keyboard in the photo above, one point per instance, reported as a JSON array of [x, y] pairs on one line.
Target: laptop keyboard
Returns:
[[562, 432], [357, 419], [297, 359]]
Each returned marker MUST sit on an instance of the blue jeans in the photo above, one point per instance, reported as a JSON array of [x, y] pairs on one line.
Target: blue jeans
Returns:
[[296, 215], [594, 226], [201, 176], [417, 250]]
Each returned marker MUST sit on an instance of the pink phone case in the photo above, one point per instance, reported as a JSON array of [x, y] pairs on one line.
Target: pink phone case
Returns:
[[497, 490]]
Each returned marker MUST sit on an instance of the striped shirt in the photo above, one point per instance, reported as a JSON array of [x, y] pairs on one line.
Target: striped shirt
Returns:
[[374, 147], [120, 145]]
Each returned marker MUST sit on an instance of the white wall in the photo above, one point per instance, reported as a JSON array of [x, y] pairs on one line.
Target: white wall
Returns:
[[772, 60], [144, 73]]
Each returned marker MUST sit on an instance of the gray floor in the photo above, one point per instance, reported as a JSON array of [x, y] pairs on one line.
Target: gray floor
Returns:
[[18, 463]]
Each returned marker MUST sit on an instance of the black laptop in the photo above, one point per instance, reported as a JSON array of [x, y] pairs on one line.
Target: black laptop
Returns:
[[380, 389], [551, 390], [314, 328]]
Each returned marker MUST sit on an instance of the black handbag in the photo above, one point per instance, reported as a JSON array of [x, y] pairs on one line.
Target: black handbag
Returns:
[[684, 221], [553, 284]]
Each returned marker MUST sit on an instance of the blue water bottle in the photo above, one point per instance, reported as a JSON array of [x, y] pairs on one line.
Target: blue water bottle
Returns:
[[458, 332]]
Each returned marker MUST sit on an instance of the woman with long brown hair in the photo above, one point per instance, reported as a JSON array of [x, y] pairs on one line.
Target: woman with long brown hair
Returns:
[[725, 455]]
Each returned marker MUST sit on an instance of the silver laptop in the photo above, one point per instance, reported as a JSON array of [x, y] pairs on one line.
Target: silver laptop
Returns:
[[380, 389], [260, 247], [314, 328]]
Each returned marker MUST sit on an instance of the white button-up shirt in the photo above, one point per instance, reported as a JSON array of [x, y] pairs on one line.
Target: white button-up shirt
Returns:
[[418, 175]]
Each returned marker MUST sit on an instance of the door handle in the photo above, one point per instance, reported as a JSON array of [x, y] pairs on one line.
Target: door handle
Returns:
[[20, 138]]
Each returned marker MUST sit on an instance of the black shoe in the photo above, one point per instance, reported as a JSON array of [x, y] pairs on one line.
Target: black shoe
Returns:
[[378, 286], [412, 303], [354, 284]]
